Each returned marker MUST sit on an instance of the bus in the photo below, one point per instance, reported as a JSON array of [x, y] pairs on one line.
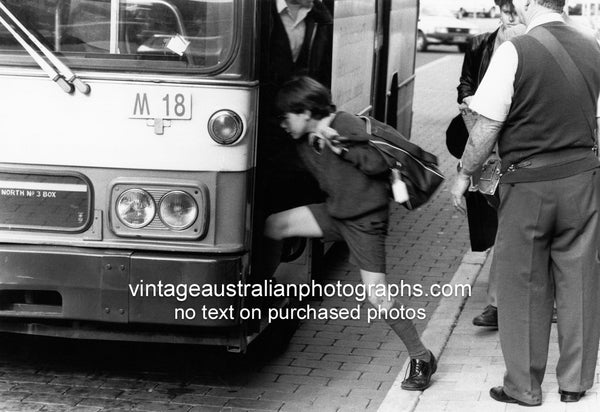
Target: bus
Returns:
[[129, 152]]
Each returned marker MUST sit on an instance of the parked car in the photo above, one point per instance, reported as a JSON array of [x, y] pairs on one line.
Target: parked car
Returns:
[[477, 8], [437, 25]]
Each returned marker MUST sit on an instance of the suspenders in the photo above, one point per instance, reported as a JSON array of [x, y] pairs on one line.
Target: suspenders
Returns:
[[571, 73]]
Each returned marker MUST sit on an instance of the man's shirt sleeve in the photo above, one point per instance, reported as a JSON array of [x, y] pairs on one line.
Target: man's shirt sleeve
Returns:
[[494, 95]]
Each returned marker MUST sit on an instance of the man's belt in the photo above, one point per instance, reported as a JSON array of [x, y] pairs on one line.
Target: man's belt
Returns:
[[548, 159], [549, 166]]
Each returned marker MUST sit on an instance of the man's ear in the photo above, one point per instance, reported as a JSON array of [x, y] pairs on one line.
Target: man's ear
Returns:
[[307, 113]]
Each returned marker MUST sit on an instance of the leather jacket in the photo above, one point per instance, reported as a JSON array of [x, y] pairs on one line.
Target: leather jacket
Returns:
[[477, 59]]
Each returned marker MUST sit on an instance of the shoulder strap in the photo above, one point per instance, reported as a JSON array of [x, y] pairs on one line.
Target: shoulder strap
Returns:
[[570, 71]]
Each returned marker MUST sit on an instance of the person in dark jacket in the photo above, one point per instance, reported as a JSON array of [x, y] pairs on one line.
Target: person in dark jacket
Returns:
[[354, 178], [480, 50], [299, 37], [482, 217]]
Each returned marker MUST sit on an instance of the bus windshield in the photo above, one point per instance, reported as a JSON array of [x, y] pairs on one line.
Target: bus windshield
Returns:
[[156, 35]]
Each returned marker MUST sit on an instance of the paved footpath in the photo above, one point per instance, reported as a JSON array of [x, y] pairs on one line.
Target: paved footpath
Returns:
[[330, 365], [471, 363]]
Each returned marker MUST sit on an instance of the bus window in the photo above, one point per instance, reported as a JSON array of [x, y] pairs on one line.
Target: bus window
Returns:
[[120, 34]]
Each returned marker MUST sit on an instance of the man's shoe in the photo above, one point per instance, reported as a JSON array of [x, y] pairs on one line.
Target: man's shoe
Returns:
[[497, 393], [570, 396], [489, 317], [419, 376]]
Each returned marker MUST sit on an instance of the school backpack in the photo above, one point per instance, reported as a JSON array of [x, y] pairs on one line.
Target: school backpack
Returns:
[[417, 168]]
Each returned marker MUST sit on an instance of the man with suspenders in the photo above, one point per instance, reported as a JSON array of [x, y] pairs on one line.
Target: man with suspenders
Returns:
[[539, 101]]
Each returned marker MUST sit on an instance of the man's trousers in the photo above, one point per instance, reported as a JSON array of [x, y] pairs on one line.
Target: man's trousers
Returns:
[[547, 249]]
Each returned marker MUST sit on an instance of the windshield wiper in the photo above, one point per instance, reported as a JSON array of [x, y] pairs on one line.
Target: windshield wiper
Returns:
[[64, 77]]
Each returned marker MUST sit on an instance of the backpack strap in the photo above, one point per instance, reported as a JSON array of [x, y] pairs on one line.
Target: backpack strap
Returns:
[[367, 121], [571, 73]]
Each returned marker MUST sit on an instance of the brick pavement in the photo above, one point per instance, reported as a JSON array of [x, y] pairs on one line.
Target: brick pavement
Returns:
[[330, 365], [472, 363]]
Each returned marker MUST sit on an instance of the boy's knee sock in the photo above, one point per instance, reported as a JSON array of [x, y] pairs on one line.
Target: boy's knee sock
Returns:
[[407, 332]]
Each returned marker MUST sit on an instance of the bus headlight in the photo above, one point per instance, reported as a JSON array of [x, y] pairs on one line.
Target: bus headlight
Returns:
[[135, 208], [225, 127], [178, 210]]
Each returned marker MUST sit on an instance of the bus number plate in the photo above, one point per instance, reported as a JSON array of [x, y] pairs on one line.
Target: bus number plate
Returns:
[[161, 105]]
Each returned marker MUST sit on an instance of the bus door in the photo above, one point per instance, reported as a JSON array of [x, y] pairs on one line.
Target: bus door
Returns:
[[399, 79]]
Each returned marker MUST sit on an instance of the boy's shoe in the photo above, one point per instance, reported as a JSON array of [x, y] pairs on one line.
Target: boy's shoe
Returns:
[[489, 317], [419, 375]]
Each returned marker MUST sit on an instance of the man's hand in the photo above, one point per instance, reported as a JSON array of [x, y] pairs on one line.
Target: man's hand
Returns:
[[464, 106], [459, 187]]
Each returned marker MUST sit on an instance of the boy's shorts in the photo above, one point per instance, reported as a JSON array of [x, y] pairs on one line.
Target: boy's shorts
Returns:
[[365, 236]]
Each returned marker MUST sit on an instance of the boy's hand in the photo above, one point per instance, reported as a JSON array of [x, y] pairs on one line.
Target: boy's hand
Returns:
[[328, 132], [335, 146], [329, 137]]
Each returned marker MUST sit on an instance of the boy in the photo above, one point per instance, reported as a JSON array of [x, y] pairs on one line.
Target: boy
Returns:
[[354, 178]]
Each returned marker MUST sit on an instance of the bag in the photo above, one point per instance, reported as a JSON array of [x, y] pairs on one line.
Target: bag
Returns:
[[487, 178], [417, 168], [457, 136]]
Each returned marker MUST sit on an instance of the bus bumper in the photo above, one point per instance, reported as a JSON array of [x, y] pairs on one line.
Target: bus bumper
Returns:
[[45, 289]]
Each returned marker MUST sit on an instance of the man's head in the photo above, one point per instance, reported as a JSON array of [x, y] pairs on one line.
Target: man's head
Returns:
[[527, 9], [302, 102]]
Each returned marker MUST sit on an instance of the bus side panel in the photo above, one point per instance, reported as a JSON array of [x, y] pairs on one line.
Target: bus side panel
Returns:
[[353, 48], [401, 63]]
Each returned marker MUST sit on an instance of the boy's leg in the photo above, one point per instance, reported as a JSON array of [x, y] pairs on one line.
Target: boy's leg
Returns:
[[289, 223], [422, 362], [404, 328], [294, 222]]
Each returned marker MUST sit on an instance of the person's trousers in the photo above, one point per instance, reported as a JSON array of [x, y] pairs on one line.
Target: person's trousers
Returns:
[[547, 249], [492, 289]]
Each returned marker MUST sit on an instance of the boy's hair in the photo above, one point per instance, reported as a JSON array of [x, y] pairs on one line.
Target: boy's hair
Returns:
[[502, 3], [304, 93]]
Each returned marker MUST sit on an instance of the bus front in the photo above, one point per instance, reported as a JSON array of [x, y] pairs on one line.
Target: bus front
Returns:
[[119, 201]]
